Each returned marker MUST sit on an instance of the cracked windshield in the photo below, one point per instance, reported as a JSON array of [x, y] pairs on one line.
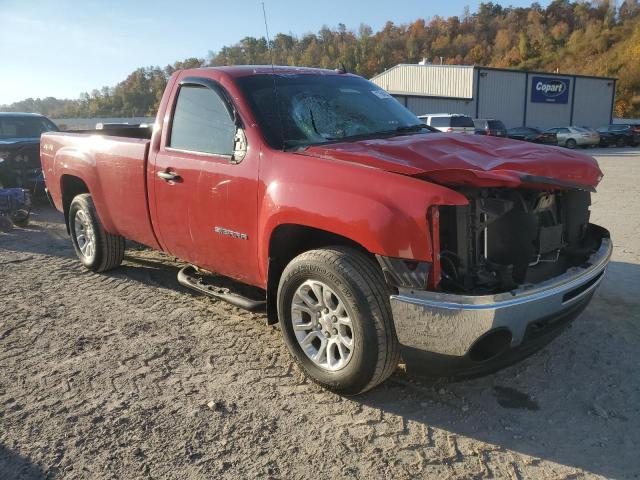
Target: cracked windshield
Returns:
[[310, 110]]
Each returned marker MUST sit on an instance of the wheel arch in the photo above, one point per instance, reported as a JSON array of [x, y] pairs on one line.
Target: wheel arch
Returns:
[[71, 186], [287, 241]]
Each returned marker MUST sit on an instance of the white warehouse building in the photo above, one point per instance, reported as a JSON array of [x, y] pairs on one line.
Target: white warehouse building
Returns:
[[518, 98]]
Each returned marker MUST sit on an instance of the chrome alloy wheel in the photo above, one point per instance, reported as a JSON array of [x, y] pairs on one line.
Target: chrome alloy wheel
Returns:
[[322, 325], [85, 236]]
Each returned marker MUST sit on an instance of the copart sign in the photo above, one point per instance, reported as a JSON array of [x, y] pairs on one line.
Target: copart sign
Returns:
[[550, 89]]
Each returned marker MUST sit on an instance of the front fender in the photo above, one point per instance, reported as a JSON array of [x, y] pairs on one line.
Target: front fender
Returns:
[[384, 212]]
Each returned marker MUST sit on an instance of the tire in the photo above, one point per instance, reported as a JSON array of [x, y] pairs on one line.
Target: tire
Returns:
[[21, 218], [571, 143], [621, 142], [356, 282], [107, 250]]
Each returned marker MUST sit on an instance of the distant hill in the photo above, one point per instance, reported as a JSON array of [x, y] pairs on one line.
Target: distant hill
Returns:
[[592, 38]]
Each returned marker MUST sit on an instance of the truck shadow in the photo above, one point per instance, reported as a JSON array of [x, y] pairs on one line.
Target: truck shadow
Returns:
[[14, 466], [573, 403]]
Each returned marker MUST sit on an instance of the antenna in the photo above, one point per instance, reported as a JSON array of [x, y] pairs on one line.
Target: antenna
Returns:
[[266, 27], [273, 74]]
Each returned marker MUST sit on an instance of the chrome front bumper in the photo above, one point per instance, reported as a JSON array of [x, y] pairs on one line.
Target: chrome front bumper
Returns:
[[448, 325]]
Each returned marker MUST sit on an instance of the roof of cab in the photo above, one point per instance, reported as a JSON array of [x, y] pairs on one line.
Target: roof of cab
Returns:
[[247, 70]]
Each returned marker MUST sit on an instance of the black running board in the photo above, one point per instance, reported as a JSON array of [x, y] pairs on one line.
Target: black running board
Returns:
[[188, 277]]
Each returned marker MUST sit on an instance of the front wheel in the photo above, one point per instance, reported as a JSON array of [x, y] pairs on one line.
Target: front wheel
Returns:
[[571, 143], [336, 320], [97, 249]]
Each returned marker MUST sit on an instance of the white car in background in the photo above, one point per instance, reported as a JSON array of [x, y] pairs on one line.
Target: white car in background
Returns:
[[449, 122]]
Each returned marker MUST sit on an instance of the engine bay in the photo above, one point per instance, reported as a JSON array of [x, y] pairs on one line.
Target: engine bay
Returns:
[[505, 238]]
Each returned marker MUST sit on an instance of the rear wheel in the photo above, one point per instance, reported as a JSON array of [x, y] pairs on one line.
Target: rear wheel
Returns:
[[336, 320], [97, 249], [620, 142], [571, 143]]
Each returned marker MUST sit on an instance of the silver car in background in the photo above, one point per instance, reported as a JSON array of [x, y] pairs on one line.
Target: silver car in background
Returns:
[[572, 137]]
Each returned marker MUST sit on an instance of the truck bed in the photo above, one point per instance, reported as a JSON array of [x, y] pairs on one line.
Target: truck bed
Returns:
[[114, 168]]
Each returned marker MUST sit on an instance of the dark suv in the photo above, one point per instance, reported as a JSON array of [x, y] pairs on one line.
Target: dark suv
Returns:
[[20, 149], [490, 126]]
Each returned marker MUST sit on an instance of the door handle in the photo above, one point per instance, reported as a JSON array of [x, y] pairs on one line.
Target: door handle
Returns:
[[169, 176]]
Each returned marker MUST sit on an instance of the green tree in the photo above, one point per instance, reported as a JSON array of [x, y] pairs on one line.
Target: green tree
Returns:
[[523, 46]]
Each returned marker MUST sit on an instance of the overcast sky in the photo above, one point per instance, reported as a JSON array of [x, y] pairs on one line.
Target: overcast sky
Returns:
[[62, 48]]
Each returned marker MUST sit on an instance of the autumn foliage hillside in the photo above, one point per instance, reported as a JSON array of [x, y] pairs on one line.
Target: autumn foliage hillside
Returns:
[[592, 38]]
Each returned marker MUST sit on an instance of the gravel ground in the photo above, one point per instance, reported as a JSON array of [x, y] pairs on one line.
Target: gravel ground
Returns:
[[128, 375]]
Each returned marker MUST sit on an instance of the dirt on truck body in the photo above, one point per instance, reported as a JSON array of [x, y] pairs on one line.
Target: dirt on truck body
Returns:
[[370, 237]]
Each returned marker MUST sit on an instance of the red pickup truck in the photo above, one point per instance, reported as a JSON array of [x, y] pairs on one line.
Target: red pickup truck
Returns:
[[373, 239]]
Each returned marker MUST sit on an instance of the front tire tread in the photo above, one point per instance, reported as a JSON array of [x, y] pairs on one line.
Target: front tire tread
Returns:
[[362, 271]]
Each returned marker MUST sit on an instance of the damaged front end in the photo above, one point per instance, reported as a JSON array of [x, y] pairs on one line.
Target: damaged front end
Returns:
[[510, 270], [20, 166], [505, 238]]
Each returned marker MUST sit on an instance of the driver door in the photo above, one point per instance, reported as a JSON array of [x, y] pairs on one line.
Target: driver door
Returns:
[[204, 196]]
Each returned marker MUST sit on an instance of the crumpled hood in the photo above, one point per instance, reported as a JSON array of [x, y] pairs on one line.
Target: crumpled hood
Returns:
[[473, 160]]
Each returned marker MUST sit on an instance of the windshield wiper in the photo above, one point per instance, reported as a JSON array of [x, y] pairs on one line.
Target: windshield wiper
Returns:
[[361, 136], [414, 128], [405, 129]]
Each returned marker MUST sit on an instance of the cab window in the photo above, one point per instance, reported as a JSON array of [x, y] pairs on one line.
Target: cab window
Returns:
[[201, 122]]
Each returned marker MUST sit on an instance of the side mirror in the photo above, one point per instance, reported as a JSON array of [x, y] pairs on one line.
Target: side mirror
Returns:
[[239, 146]]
